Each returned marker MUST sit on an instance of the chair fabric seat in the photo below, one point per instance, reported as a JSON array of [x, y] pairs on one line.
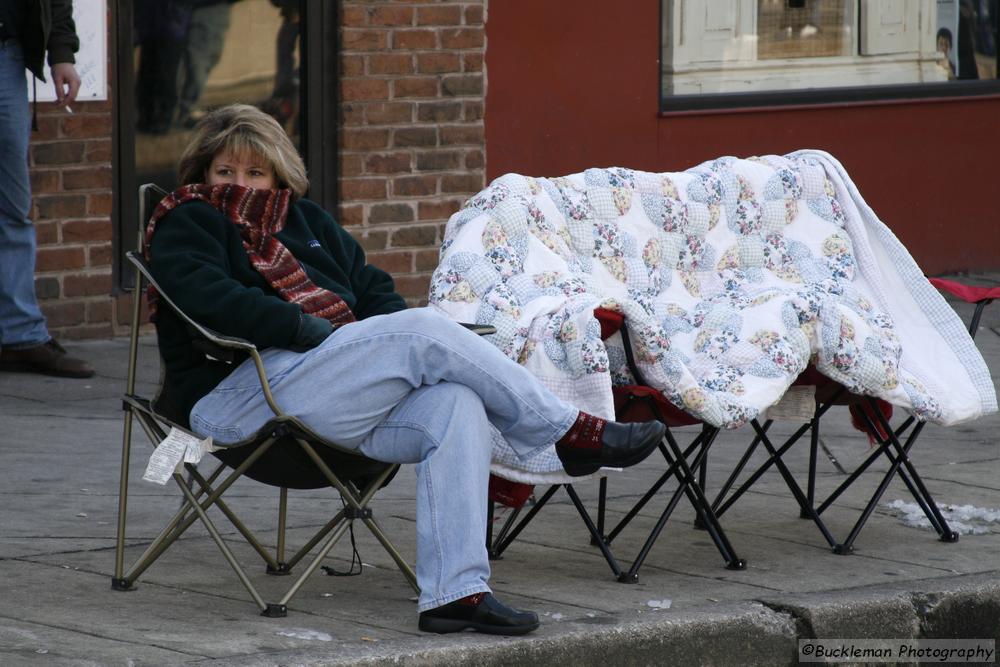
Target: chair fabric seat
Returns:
[[284, 464]]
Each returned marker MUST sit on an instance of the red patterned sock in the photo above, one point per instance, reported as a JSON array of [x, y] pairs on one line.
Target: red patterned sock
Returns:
[[586, 433], [472, 600]]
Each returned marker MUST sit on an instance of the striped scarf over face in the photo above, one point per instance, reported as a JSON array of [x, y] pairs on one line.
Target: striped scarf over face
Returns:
[[259, 215]]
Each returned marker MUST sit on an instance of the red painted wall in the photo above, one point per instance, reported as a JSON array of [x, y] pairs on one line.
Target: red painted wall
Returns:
[[575, 85]]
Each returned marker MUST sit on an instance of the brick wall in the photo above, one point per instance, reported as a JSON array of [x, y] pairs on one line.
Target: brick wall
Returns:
[[412, 150], [412, 141], [70, 158]]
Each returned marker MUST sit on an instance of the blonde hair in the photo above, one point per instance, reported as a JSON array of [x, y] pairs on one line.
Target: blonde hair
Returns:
[[240, 129]]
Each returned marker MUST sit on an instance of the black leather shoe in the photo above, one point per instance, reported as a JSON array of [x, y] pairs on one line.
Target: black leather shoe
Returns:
[[483, 613], [49, 358], [622, 445]]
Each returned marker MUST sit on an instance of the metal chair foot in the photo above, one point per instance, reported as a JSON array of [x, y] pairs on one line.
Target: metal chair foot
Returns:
[[842, 550], [950, 536], [126, 585], [738, 564], [281, 571], [275, 610], [804, 514], [699, 523], [628, 578]]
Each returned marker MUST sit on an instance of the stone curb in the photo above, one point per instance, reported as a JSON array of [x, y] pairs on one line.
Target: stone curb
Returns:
[[754, 632]]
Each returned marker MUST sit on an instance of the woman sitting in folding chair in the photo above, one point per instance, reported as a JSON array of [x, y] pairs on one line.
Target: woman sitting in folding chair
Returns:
[[240, 251]]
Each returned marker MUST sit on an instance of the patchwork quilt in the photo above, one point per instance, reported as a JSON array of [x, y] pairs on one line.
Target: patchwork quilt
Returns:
[[733, 276]]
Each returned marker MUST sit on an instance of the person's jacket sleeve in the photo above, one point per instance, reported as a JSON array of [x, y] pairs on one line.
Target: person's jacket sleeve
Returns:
[[62, 42]]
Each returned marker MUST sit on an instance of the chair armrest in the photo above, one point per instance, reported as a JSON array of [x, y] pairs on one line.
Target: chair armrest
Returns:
[[481, 329], [981, 296], [967, 293], [215, 344]]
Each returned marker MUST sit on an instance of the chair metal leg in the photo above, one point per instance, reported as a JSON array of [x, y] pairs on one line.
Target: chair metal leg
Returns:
[[490, 518], [280, 609], [879, 451], [217, 538], [118, 581], [508, 534], [632, 576], [282, 524], [717, 505], [811, 480], [357, 507], [602, 506], [652, 491], [305, 549], [702, 468], [401, 563], [696, 496], [594, 532], [493, 550], [273, 565], [793, 485], [183, 520], [634, 511], [898, 458]]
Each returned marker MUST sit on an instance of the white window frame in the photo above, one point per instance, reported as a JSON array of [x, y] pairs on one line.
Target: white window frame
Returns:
[[714, 50]]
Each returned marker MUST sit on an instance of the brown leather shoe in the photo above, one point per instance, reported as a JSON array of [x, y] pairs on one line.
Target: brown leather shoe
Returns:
[[48, 359]]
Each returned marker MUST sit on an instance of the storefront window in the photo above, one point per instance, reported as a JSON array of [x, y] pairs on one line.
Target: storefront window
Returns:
[[193, 57], [175, 60], [773, 51]]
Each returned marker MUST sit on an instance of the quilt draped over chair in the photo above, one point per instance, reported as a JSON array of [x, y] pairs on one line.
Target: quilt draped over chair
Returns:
[[734, 275]]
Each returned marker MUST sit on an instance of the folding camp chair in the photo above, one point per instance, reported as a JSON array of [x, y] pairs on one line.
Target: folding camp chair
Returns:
[[872, 417], [639, 403], [283, 453]]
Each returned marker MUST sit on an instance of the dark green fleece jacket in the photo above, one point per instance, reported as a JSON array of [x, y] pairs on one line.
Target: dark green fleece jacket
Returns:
[[198, 259]]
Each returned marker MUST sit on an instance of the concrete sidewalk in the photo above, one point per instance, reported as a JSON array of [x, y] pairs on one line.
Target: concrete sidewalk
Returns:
[[60, 443]]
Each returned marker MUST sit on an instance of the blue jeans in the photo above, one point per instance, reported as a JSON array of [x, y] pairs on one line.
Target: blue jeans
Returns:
[[410, 387], [21, 322]]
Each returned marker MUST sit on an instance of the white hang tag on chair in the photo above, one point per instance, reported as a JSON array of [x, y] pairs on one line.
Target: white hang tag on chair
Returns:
[[798, 404], [178, 447]]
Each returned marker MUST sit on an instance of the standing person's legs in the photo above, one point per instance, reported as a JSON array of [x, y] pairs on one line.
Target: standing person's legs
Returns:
[[202, 51], [288, 34], [21, 322], [25, 344]]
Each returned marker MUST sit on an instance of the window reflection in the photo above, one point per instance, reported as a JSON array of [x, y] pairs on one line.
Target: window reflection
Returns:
[[191, 57], [809, 28], [976, 47], [770, 46]]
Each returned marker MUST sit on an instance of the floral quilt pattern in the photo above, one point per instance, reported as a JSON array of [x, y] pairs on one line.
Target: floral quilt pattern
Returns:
[[733, 276]]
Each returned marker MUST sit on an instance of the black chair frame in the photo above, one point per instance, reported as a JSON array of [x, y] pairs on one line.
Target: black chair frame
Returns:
[[677, 467], [890, 445]]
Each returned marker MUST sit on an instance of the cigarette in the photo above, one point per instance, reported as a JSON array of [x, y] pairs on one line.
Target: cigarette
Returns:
[[69, 109]]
